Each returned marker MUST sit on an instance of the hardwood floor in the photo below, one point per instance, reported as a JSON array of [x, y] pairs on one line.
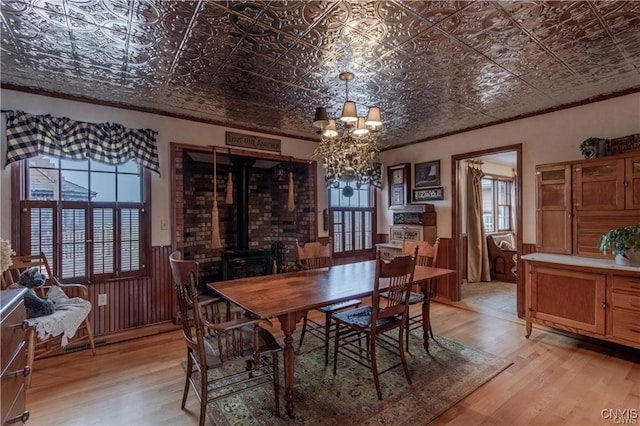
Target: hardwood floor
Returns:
[[555, 379], [498, 295]]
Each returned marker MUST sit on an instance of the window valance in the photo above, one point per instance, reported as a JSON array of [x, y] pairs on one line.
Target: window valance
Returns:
[[29, 135]]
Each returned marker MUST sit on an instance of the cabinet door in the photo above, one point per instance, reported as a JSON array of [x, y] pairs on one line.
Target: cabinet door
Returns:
[[553, 209], [632, 183], [599, 185], [572, 300]]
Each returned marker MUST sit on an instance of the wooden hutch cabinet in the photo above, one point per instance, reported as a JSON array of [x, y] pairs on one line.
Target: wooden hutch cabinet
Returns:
[[579, 201], [569, 283]]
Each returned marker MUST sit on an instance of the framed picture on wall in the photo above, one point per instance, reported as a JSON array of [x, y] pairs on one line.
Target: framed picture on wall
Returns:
[[397, 195], [427, 174], [424, 195], [399, 178]]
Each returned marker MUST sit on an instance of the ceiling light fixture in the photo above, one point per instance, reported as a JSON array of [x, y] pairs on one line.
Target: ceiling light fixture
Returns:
[[349, 150]]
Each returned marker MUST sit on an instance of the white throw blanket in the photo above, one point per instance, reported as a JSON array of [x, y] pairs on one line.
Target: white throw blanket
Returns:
[[68, 316]]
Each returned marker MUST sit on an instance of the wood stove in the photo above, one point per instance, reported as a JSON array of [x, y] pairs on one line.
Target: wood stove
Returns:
[[246, 263]]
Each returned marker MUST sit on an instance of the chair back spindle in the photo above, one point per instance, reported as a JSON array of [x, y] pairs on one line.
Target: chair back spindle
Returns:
[[313, 255], [427, 253], [395, 279]]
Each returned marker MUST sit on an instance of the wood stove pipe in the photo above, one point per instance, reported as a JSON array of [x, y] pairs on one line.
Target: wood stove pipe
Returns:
[[242, 169]]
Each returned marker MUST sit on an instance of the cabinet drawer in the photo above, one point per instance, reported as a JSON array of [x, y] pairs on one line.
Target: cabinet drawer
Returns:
[[626, 324], [626, 301], [13, 382], [626, 283], [13, 333]]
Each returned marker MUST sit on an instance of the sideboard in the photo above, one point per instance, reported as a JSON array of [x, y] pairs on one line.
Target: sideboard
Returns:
[[587, 296]]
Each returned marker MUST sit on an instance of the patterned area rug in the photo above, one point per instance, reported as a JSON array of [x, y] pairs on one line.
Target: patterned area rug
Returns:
[[440, 380]]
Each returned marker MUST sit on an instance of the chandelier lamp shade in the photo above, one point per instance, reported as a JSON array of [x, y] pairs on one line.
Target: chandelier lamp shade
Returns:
[[348, 148]]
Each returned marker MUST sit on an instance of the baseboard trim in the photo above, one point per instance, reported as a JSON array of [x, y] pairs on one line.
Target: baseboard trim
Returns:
[[107, 339]]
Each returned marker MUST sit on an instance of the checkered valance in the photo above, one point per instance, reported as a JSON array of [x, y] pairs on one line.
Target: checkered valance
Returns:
[[29, 135], [376, 176]]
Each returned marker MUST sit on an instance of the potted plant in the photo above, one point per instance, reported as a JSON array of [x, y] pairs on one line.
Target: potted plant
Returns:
[[624, 243]]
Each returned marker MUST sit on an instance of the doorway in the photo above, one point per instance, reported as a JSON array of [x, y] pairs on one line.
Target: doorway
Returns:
[[492, 294]]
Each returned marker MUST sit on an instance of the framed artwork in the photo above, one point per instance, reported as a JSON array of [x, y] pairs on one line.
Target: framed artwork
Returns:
[[424, 195], [399, 177], [427, 174], [397, 195]]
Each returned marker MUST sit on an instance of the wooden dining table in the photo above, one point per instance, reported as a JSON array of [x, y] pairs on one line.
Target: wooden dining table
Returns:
[[289, 296]]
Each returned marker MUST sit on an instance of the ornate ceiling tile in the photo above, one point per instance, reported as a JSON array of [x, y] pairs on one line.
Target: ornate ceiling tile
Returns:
[[434, 67]]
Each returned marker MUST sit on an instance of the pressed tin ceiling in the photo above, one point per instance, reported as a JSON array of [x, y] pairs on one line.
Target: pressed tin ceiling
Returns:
[[434, 67]]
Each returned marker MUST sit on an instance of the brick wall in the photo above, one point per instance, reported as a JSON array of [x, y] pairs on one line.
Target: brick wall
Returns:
[[269, 219]]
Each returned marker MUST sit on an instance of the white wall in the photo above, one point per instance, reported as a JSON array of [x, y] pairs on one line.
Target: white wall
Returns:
[[546, 138], [169, 130]]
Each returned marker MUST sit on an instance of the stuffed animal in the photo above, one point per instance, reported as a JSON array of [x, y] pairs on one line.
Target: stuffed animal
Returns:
[[36, 306]]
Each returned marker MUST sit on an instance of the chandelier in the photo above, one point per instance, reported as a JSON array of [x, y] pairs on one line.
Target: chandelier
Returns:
[[349, 151]]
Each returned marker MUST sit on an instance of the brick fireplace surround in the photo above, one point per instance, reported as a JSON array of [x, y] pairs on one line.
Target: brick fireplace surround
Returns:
[[268, 217]]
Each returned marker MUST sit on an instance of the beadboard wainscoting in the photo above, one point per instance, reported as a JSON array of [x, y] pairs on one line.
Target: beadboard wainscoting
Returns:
[[134, 305]]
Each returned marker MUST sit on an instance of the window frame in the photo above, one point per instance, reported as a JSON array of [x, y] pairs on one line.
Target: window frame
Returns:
[[495, 202], [352, 212], [21, 208]]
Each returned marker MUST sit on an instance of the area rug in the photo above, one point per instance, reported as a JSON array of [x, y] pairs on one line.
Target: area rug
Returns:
[[440, 379]]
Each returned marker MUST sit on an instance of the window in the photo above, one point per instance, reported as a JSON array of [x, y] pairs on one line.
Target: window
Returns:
[[89, 218], [353, 220], [496, 203]]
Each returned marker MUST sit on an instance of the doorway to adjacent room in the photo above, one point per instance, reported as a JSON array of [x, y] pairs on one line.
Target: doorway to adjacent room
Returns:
[[501, 194]]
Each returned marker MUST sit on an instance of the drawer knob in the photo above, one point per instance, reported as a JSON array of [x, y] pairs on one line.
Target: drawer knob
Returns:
[[24, 372], [23, 325], [21, 418]]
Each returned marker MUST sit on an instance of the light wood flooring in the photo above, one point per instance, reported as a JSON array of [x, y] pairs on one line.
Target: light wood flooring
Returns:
[[497, 295], [555, 379]]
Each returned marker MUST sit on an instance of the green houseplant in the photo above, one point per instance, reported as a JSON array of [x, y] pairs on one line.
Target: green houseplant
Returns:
[[624, 243]]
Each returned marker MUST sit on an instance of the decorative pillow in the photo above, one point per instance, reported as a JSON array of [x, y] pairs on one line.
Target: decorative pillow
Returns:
[[505, 245], [504, 241]]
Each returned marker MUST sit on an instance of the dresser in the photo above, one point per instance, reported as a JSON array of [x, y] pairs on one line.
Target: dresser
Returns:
[[13, 357], [409, 226]]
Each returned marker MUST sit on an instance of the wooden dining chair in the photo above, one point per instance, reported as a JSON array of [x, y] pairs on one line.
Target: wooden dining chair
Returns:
[[427, 256], [237, 350], [374, 321], [316, 255], [48, 333]]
